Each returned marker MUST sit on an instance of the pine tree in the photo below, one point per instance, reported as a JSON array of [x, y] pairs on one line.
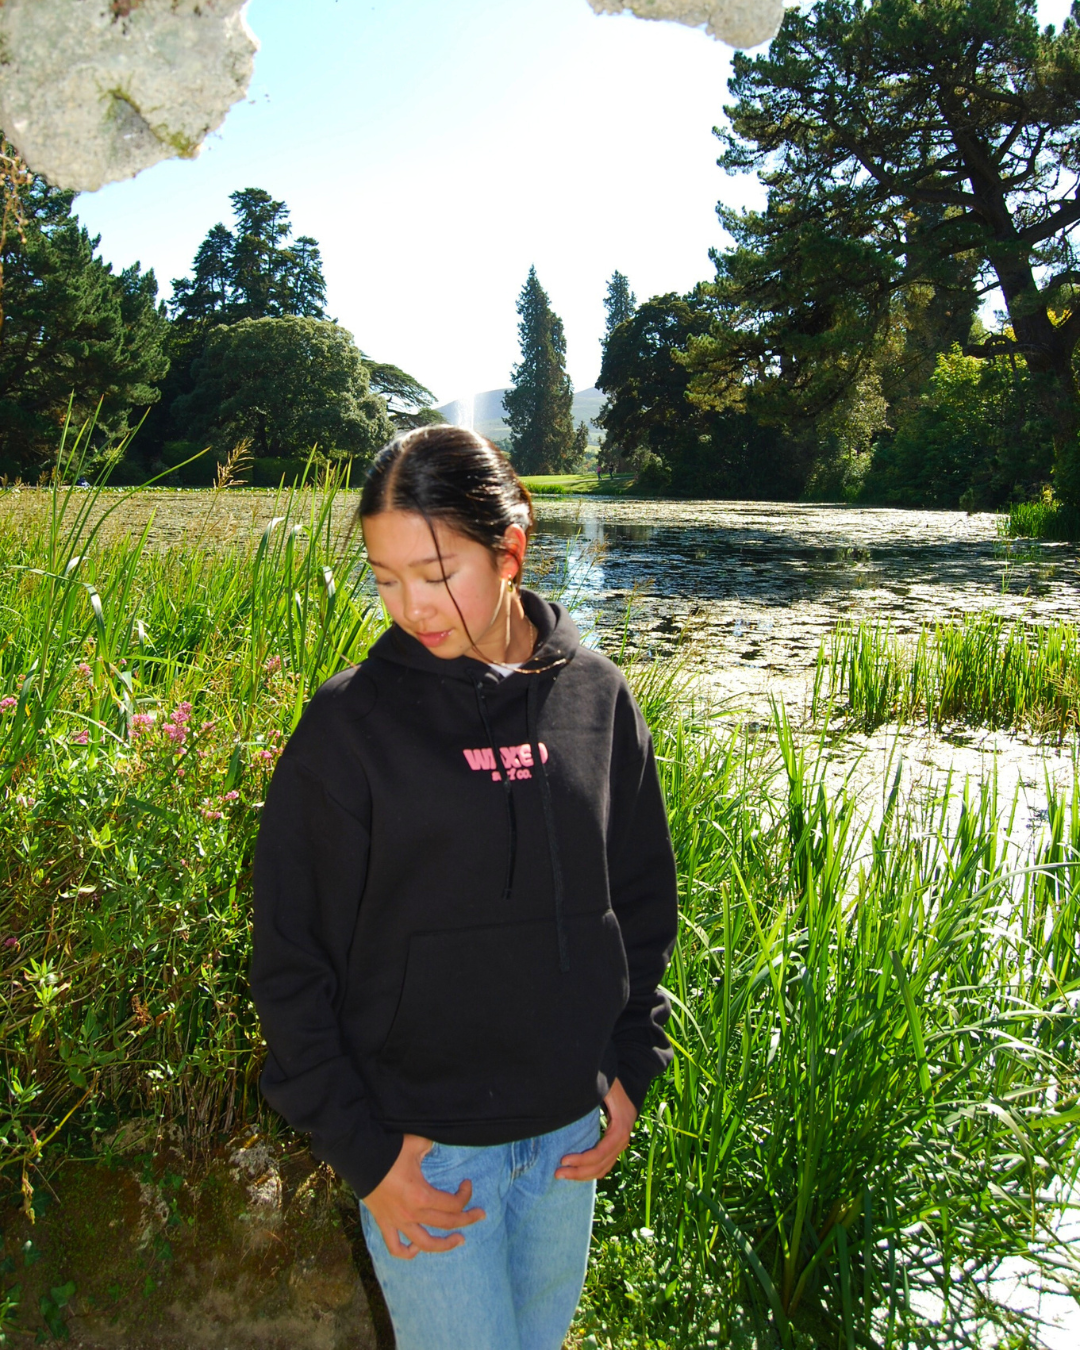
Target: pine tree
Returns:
[[896, 139], [251, 271], [619, 303], [540, 401], [207, 294], [73, 330], [302, 289]]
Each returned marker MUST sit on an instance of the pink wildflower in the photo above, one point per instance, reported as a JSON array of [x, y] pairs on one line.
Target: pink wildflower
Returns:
[[6, 703], [12, 942], [208, 814], [142, 723], [272, 665], [264, 756], [231, 797], [182, 713], [84, 669], [81, 737]]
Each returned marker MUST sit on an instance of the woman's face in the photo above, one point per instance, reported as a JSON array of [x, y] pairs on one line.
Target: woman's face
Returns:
[[405, 563]]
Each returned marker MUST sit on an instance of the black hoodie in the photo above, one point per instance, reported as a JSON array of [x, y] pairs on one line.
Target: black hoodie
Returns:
[[464, 901]]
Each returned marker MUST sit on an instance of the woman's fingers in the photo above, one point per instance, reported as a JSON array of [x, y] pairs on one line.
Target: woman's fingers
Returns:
[[443, 1209], [598, 1161], [418, 1240]]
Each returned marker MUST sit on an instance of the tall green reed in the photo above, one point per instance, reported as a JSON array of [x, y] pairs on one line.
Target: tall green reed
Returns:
[[874, 1094], [151, 693], [1044, 519], [984, 669]]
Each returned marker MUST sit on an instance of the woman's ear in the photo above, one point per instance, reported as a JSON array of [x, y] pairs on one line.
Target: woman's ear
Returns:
[[513, 553]]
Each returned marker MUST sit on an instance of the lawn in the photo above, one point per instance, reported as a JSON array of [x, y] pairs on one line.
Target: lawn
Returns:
[[577, 484]]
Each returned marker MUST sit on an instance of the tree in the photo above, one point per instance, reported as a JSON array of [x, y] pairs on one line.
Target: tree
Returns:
[[72, 330], [284, 385], [674, 443], [619, 303], [901, 141], [975, 438], [251, 272], [540, 401], [407, 400]]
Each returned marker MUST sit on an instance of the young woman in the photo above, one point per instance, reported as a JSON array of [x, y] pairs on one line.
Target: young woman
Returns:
[[464, 904]]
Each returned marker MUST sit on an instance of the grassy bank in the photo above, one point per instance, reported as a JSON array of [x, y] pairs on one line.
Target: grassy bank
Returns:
[[1045, 519], [983, 670], [577, 484], [875, 1086]]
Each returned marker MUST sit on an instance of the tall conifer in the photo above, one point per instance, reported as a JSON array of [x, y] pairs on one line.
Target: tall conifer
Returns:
[[539, 404], [251, 272], [620, 303], [73, 330]]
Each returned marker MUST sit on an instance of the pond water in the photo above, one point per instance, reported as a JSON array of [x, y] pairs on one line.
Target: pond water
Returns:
[[746, 589], [753, 587]]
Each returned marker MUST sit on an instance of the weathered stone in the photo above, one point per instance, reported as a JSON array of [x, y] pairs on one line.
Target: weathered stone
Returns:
[[739, 23], [96, 90], [253, 1248]]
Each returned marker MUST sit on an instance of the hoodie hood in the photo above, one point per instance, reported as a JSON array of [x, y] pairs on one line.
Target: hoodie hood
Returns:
[[557, 642]]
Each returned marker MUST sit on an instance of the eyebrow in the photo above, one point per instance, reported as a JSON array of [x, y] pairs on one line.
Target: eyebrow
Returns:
[[420, 562]]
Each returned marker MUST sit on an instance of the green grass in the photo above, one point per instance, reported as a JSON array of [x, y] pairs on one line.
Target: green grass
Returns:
[[876, 1071], [984, 670], [875, 1082], [576, 484], [1045, 519]]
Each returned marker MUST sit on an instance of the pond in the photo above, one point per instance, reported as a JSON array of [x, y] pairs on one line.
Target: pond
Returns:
[[747, 590], [753, 587]]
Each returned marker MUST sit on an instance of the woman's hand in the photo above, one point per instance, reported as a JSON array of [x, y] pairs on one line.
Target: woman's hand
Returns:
[[404, 1200], [598, 1162]]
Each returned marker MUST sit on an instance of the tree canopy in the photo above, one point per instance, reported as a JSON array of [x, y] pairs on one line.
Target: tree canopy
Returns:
[[649, 422], [285, 386], [619, 303], [539, 403], [251, 271], [407, 400], [907, 146], [73, 331]]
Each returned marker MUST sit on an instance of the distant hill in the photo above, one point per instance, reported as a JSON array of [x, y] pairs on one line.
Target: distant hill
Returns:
[[487, 417]]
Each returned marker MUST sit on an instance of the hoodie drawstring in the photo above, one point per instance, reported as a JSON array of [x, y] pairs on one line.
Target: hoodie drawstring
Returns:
[[508, 792], [549, 824]]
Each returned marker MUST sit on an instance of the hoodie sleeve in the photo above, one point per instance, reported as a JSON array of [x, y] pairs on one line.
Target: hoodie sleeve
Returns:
[[310, 866], [644, 896]]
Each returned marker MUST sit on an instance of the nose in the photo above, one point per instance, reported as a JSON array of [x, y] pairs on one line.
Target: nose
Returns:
[[417, 604]]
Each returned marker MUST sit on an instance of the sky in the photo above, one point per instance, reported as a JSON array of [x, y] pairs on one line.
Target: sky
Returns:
[[437, 150]]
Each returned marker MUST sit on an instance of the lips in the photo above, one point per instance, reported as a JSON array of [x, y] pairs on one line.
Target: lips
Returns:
[[433, 639]]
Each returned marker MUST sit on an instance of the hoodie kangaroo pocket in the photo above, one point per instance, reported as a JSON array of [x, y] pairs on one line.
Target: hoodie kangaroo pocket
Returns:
[[488, 1028]]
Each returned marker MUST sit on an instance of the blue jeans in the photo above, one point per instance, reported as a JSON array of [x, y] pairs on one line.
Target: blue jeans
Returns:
[[516, 1281]]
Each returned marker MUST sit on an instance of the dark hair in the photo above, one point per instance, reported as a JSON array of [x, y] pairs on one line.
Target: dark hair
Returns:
[[451, 475]]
